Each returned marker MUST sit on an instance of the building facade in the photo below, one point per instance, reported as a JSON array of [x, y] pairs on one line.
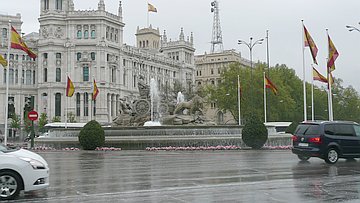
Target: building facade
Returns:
[[208, 72], [87, 45]]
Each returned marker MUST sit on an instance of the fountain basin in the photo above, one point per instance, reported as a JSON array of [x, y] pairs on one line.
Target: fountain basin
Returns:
[[139, 138]]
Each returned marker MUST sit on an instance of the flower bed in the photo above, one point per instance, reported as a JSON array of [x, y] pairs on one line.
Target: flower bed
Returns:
[[204, 148]]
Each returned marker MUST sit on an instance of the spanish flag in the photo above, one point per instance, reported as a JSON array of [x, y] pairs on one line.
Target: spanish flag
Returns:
[[317, 76], [18, 43], [70, 89], [151, 8], [95, 91], [333, 54], [3, 62], [309, 42], [269, 84]]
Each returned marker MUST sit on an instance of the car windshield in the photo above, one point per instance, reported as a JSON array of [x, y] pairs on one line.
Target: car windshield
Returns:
[[307, 129], [6, 149]]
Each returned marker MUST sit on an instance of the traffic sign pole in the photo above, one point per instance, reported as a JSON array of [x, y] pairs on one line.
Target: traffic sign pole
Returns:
[[32, 115]]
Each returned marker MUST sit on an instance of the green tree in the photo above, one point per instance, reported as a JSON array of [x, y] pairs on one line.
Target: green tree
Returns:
[[15, 123], [43, 120], [287, 105], [56, 119]]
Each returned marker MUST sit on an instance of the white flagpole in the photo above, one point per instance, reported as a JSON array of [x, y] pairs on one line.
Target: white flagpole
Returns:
[[303, 57], [265, 99], [239, 99], [7, 85], [66, 107], [148, 14], [331, 116], [312, 97], [329, 98]]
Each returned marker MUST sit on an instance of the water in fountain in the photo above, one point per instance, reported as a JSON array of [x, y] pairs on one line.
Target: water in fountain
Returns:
[[154, 104]]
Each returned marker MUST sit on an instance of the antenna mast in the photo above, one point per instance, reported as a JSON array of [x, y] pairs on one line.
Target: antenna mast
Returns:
[[216, 41]]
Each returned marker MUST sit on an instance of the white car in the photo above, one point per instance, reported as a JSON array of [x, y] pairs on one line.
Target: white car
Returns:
[[21, 169]]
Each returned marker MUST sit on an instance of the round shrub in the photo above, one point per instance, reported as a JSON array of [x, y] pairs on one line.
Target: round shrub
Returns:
[[92, 135], [254, 133]]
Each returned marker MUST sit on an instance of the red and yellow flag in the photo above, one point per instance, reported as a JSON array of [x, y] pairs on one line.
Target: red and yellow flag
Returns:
[[95, 91], [3, 62], [70, 89], [18, 43], [333, 54], [151, 8], [309, 42], [269, 84], [317, 76]]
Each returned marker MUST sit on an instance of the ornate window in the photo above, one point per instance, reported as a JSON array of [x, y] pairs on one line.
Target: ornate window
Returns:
[[58, 5], [93, 34], [45, 75], [86, 104], [77, 104], [46, 4], [58, 104], [86, 34], [86, 73], [58, 55], [79, 33], [58, 75], [78, 56], [92, 55]]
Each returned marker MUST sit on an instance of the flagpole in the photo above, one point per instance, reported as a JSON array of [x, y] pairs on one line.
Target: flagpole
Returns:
[[331, 116], [7, 85], [312, 98], [148, 15], [267, 57], [304, 83], [66, 107], [239, 98], [265, 99]]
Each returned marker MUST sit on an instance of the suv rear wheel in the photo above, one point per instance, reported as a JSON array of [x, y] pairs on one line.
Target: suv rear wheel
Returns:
[[303, 158], [332, 156]]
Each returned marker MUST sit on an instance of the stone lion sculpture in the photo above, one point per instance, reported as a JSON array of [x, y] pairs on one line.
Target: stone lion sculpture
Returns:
[[193, 106]]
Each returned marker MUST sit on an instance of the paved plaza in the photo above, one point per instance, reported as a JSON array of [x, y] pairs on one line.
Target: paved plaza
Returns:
[[195, 176]]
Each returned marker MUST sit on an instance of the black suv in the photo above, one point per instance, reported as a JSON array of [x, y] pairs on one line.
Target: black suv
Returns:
[[328, 140]]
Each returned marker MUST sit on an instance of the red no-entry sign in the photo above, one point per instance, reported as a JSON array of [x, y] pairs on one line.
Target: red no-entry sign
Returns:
[[33, 115]]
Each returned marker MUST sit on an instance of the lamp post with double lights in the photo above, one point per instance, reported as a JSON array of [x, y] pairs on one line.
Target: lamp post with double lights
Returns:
[[251, 45], [352, 28]]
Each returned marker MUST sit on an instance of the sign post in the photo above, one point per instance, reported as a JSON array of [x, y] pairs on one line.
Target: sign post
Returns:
[[32, 115]]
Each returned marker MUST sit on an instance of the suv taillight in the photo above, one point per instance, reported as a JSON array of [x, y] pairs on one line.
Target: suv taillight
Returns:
[[316, 140], [294, 138]]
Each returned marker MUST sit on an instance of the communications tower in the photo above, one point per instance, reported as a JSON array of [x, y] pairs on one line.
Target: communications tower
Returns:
[[216, 41]]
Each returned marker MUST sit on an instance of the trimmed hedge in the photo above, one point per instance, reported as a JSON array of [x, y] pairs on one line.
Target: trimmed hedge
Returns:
[[254, 133], [92, 135]]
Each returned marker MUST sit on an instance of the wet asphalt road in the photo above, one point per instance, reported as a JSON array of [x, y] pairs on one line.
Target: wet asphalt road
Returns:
[[197, 176]]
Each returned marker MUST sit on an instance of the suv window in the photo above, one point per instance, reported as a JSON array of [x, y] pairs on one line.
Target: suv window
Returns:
[[357, 130], [307, 129], [339, 129]]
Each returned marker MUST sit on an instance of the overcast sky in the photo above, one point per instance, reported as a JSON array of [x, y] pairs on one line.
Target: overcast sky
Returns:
[[240, 19]]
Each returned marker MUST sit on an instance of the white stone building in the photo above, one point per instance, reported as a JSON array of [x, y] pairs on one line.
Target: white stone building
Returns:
[[208, 72], [87, 45]]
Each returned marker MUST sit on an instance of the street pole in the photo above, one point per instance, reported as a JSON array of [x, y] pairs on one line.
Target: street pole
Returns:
[[239, 97], [251, 45]]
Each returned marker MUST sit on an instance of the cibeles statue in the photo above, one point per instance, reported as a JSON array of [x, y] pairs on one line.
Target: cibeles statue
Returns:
[[125, 107]]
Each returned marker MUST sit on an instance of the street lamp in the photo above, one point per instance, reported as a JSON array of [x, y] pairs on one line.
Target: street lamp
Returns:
[[251, 45], [352, 28]]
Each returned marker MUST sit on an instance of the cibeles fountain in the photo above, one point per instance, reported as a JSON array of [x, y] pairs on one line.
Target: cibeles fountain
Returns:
[[156, 120], [155, 109]]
